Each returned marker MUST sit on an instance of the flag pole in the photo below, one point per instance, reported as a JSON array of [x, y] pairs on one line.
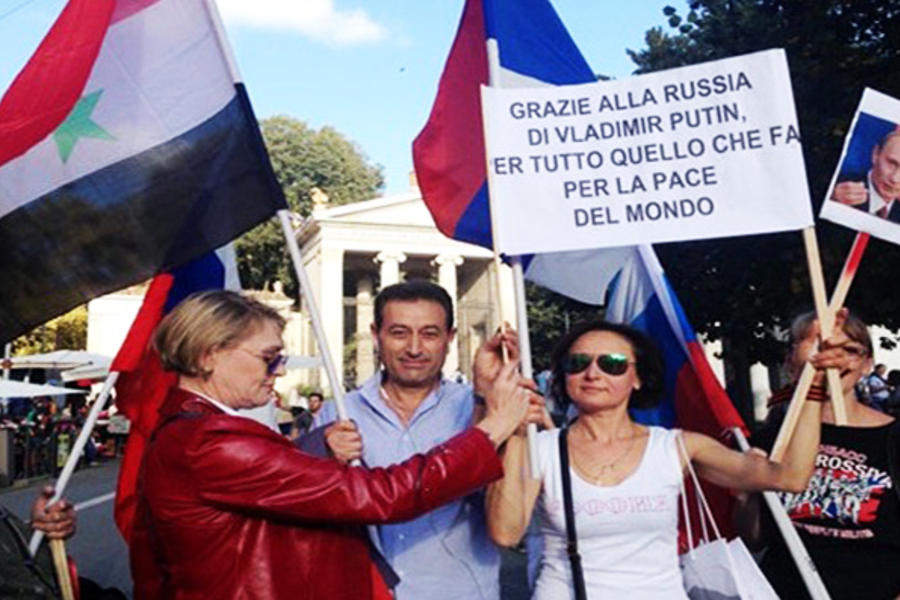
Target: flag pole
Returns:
[[805, 565], [838, 298], [493, 55], [826, 316], [61, 564], [337, 389]]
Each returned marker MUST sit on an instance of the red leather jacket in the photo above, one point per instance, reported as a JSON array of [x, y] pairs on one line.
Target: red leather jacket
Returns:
[[229, 509]]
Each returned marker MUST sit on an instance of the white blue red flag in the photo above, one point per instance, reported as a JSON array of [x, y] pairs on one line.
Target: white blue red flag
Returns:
[[143, 385], [534, 50], [640, 296], [126, 149]]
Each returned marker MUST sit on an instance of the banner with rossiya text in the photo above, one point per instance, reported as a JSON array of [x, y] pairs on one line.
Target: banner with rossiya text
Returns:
[[709, 150]]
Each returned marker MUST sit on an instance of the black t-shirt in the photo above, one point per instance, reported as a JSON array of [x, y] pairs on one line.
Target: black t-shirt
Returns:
[[848, 518]]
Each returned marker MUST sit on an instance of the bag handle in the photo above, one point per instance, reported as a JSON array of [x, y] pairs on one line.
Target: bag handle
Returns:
[[703, 508], [705, 514], [571, 535]]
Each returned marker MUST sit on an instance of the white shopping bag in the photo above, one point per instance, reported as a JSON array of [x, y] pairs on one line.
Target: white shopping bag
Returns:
[[718, 569]]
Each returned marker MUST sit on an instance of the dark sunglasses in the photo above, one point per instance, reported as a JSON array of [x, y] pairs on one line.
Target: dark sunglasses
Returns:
[[272, 364], [611, 364]]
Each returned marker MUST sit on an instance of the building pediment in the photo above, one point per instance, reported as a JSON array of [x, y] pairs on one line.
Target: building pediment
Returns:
[[406, 209]]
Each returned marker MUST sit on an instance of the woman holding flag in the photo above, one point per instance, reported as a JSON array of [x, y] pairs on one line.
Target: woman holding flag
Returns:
[[624, 477], [230, 509]]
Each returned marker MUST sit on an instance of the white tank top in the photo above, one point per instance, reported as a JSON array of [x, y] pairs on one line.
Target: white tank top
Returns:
[[627, 533]]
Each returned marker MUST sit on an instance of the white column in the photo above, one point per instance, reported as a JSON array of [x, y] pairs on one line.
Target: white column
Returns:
[[365, 316], [390, 267], [331, 305], [446, 264], [759, 386]]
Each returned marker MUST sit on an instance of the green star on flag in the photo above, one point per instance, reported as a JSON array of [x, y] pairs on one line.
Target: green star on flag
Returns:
[[78, 125]]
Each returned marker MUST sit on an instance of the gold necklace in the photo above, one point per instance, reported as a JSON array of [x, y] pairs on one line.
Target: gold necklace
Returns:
[[611, 466]]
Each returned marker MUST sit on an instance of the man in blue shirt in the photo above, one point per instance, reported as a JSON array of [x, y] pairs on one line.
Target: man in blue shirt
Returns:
[[407, 408]]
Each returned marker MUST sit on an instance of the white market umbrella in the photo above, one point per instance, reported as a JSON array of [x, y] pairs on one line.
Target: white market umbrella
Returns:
[[10, 388], [59, 359]]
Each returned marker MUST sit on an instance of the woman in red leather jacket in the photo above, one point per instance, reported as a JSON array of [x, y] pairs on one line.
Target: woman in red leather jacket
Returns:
[[230, 509]]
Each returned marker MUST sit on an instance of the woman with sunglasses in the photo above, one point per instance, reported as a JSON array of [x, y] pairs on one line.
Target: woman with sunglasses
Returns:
[[625, 477], [230, 509]]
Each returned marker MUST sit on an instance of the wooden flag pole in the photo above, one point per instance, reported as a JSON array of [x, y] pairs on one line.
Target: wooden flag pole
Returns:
[[826, 319], [805, 565], [61, 564], [806, 376], [493, 54]]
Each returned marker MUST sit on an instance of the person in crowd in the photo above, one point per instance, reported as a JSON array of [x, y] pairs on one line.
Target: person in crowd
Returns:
[[405, 407], [632, 552], [879, 390], [230, 509], [848, 516], [893, 403], [304, 417]]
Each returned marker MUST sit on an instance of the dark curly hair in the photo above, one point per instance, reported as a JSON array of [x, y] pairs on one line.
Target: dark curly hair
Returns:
[[648, 362]]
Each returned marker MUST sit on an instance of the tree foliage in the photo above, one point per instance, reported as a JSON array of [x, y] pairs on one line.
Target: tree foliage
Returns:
[[303, 158], [550, 315], [66, 332], [738, 288]]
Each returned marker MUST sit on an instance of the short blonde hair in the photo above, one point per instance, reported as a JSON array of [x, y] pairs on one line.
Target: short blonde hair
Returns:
[[207, 321]]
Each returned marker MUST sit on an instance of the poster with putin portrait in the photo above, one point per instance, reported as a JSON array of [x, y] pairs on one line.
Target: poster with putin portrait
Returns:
[[865, 189]]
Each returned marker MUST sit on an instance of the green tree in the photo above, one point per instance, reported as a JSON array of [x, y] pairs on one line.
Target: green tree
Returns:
[[737, 289], [66, 332], [550, 315], [303, 158]]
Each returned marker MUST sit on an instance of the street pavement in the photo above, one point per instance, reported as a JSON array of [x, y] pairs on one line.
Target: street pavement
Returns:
[[102, 556]]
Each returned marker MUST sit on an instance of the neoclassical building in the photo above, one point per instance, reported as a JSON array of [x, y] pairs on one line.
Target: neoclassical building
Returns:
[[352, 251]]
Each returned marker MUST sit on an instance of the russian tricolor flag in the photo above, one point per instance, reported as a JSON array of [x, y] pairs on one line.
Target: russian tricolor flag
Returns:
[[143, 385], [126, 149], [534, 50], [640, 296]]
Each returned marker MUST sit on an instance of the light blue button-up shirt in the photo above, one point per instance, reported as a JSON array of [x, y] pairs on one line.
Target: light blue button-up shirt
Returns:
[[444, 554]]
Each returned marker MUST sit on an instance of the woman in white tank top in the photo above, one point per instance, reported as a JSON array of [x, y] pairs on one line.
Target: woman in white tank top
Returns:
[[625, 476]]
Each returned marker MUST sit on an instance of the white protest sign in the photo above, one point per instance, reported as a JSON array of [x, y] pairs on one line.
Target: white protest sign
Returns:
[[709, 150], [865, 190]]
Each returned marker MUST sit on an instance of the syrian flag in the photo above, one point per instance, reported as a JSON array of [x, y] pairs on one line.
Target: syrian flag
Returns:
[[127, 148]]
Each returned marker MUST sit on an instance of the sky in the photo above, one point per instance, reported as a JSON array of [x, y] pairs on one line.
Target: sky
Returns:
[[369, 69]]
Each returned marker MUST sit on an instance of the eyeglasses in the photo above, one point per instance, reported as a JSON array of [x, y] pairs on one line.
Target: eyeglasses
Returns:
[[272, 364], [857, 351], [611, 364]]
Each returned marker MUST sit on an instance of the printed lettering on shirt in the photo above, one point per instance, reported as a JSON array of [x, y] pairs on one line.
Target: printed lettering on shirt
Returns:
[[844, 490], [615, 506]]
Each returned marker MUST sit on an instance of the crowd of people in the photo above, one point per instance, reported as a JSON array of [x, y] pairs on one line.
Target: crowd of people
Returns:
[[414, 493], [43, 434], [881, 389]]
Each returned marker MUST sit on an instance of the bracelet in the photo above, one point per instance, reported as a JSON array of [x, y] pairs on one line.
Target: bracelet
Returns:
[[817, 393]]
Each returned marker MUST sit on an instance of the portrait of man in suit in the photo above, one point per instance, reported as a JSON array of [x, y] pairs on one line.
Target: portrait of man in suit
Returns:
[[875, 190]]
